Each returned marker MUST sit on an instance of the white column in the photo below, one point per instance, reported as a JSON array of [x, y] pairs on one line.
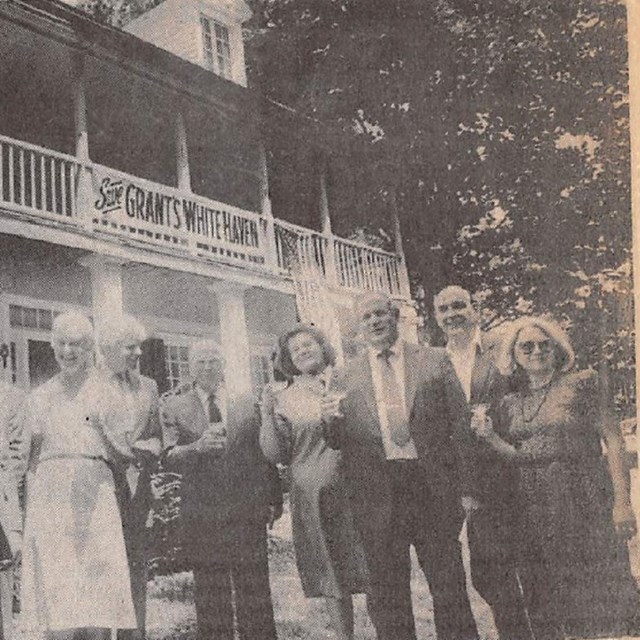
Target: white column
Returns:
[[265, 197], [183, 172], [403, 273], [327, 232], [106, 286], [325, 217], [234, 336], [80, 109], [408, 323], [268, 229], [84, 186]]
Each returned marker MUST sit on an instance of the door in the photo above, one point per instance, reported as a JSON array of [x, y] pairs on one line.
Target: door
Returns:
[[42, 363]]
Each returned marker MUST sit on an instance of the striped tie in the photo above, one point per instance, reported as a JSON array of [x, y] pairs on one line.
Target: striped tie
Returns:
[[393, 403]]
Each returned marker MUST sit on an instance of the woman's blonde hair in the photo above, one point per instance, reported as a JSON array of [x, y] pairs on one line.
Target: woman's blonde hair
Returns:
[[565, 356]]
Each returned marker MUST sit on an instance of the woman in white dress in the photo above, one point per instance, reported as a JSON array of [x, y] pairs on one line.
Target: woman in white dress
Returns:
[[75, 576]]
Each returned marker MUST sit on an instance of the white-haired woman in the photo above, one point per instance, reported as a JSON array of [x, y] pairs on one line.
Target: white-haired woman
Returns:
[[134, 432], [573, 510], [75, 580]]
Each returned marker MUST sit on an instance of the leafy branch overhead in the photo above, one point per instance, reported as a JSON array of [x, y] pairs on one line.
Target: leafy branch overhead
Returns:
[[499, 130]]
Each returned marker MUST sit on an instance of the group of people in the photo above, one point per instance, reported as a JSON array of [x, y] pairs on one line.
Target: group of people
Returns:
[[404, 443], [395, 449]]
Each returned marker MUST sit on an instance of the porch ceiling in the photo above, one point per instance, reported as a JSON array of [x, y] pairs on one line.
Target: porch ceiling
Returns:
[[35, 75]]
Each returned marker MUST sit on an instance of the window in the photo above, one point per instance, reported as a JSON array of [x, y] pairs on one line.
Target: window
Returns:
[[30, 318], [176, 358], [261, 373], [217, 50]]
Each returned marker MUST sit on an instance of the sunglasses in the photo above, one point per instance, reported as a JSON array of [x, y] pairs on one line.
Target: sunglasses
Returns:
[[528, 347]]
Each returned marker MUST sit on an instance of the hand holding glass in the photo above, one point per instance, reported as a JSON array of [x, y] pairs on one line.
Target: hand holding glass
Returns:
[[481, 423], [213, 439], [330, 406]]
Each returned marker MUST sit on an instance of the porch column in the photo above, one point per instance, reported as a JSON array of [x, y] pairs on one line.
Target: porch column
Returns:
[[234, 336], [268, 226], [403, 273], [183, 173], [265, 196], [84, 187], [106, 286], [80, 108], [327, 232]]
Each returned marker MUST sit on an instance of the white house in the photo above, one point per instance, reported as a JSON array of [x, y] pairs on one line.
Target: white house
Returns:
[[136, 174]]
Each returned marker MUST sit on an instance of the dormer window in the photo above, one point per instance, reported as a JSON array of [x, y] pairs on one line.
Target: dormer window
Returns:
[[216, 46], [204, 32]]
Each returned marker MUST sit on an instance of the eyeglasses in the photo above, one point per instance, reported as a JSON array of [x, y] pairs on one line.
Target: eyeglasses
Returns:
[[457, 305], [528, 347]]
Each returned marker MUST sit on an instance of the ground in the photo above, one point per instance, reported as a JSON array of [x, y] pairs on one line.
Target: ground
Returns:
[[171, 613]]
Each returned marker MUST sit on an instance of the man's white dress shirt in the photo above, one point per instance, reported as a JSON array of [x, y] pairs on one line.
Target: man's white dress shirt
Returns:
[[396, 360], [463, 361]]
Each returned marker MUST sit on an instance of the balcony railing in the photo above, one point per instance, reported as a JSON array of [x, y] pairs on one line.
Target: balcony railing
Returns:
[[342, 262], [98, 200], [36, 179]]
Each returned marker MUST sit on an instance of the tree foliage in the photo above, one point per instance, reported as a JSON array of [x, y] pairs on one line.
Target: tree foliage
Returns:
[[499, 130], [117, 12], [502, 129]]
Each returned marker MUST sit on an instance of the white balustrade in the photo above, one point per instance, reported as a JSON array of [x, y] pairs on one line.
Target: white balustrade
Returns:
[[355, 266], [33, 179], [100, 200]]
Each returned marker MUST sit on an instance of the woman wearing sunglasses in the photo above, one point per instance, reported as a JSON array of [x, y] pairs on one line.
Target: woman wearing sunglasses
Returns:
[[574, 513]]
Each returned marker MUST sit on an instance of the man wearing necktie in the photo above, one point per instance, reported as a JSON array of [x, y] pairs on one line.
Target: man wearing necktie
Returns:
[[397, 428], [228, 495], [133, 429], [490, 505]]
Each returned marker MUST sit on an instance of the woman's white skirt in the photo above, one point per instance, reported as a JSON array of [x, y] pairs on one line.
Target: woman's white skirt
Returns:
[[74, 566]]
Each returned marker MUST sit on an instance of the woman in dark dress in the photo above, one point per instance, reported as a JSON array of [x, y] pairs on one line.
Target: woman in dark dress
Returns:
[[329, 559], [574, 513]]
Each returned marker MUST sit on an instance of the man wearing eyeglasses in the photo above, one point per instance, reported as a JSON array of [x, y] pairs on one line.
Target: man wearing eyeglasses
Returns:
[[229, 493], [489, 511]]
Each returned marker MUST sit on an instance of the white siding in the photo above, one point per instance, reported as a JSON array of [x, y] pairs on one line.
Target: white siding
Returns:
[[174, 25], [170, 26]]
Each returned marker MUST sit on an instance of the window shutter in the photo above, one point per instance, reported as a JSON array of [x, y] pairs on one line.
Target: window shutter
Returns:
[[152, 362]]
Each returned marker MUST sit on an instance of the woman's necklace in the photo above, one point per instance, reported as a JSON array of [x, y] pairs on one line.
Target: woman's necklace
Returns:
[[532, 416]]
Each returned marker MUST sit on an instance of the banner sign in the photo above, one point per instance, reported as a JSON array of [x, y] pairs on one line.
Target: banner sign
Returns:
[[131, 199]]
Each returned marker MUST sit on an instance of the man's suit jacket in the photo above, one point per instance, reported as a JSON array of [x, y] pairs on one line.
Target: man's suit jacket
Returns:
[[493, 479], [218, 488], [437, 414]]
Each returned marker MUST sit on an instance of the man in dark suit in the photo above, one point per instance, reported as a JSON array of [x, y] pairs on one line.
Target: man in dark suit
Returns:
[[136, 435], [228, 495], [396, 428], [491, 509]]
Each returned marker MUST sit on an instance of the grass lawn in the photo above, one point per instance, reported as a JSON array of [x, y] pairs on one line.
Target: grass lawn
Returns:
[[171, 613]]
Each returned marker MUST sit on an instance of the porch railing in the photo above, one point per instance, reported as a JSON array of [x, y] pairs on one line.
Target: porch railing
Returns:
[[37, 179], [341, 262], [46, 184]]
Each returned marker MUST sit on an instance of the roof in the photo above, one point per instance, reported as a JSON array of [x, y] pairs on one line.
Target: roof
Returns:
[[81, 31]]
